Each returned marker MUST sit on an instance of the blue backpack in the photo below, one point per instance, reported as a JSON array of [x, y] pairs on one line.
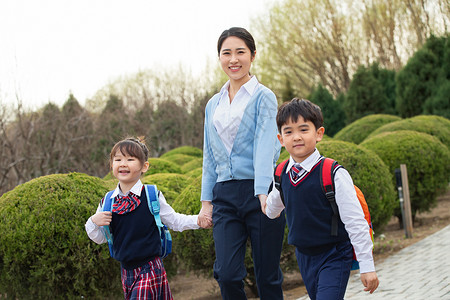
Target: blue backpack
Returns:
[[153, 204]]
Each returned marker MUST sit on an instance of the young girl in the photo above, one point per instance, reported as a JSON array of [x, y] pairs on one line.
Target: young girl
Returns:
[[240, 150], [136, 237]]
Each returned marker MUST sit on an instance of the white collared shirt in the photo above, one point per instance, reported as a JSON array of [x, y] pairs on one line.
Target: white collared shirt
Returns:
[[228, 116], [350, 211], [173, 220]]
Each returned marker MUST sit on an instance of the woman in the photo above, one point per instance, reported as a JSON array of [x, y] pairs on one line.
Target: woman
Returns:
[[240, 150]]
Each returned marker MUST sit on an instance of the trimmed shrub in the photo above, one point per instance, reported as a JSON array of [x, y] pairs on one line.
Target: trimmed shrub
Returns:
[[170, 184], [192, 165], [187, 150], [44, 250], [180, 159], [433, 125], [370, 174], [427, 161], [159, 165], [357, 131], [195, 172]]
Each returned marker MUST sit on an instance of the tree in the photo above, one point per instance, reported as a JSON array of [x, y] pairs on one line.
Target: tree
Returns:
[[324, 41], [333, 114], [418, 82]]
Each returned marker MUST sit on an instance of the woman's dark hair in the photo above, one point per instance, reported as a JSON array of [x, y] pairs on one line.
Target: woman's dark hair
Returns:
[[290, 111], [131, 146], [238, 32]]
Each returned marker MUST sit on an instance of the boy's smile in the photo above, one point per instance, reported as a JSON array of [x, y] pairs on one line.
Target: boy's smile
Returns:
[[300, 138]]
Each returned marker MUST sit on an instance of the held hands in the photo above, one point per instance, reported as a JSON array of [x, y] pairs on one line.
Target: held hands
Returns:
[[102, 218], [370, 281], [205, 215]]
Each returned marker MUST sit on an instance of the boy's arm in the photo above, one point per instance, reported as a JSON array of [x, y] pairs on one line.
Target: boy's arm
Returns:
[[370, 281], [274, 205], [94, 231], [352, 216], [174, 220]]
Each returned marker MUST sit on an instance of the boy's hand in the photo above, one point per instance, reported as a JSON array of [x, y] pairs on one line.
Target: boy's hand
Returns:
[[102, 218], [205, 215], [370, 281]]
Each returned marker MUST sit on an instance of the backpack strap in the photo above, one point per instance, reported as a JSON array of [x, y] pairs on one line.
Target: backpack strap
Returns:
[[107, 206], [327, 169], [279, 170], [153, 204]]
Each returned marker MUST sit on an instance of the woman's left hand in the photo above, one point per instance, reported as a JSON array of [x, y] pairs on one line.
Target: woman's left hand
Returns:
[[262, 200]]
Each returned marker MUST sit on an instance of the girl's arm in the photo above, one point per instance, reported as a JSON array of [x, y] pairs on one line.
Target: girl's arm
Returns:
[[95, 231], [174, 220]]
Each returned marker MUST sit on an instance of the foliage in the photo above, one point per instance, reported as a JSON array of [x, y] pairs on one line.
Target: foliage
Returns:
[[192, 165], [357, 131], [306, 42], [187, 150], [333, 113], [427, 161], [159, 165], [44, 250], [194, 172], [180, 159], [372, 91], [433, 125], [418, 83], [370, 174], [170, 184]]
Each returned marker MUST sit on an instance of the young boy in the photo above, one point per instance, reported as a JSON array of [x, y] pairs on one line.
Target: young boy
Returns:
[[324, 260]]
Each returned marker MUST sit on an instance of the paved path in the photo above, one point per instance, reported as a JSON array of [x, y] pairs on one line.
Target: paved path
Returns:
[[420, 271]]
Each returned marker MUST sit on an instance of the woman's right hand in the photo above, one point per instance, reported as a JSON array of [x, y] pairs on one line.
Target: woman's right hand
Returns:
[[205, 215], [102, 218]]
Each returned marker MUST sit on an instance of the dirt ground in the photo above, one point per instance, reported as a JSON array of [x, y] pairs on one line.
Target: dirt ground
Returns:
[[391, 241]]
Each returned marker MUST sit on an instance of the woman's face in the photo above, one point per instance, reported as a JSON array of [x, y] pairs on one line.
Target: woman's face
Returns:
[[236, 59]]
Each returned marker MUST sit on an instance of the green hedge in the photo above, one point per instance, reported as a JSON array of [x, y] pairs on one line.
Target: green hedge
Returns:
[[434, 125], [427, 161], [192, 165], [370, 174], [170, 184], [159, 165], [187, 150], [358, 130], [180, 159], [45, 252]]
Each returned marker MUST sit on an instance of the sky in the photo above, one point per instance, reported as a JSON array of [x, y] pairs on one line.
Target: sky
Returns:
[[51, 48]]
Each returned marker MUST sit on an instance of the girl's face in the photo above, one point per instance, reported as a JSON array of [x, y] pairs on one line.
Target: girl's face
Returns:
[[236, 59], [127, 169]]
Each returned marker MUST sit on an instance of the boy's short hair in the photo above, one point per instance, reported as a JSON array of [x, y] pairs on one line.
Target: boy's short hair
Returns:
[[290, 111]]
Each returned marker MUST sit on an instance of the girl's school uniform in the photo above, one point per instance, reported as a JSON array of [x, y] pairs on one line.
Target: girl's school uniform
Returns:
[[137, 245]]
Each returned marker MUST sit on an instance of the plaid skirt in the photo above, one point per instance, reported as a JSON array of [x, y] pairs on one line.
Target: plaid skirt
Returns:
[[148, 282]]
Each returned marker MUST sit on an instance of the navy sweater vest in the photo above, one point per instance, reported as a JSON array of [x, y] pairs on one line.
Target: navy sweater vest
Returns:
[[308, 214], [136, 236]]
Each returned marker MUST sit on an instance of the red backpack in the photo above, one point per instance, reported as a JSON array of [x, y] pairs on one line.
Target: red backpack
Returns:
[[327, 168]]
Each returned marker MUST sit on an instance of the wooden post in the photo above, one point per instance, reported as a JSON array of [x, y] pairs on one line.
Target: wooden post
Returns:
[[407, 202]]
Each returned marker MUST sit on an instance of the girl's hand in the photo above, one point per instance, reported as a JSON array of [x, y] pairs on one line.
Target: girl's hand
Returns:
[[102, 218], [370, 281], [205, 215]]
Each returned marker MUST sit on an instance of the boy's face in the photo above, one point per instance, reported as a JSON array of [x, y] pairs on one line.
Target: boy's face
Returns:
[[300, 138], [127, 169]]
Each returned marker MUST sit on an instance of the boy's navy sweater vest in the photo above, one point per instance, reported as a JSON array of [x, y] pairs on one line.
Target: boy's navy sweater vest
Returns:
[[308, 214], [136, 236]]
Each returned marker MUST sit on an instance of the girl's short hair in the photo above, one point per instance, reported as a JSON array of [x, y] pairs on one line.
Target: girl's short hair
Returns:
[[238, 32], [290, 111], [131, 146]]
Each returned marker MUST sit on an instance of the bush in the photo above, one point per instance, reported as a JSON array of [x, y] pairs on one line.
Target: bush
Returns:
[[180, 159], [159, 165], [192, 165], [357, 131], [370, 174], [187, 150], [427, 161], [434, 125], [44, 250], [170, 184], [195, 172]]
